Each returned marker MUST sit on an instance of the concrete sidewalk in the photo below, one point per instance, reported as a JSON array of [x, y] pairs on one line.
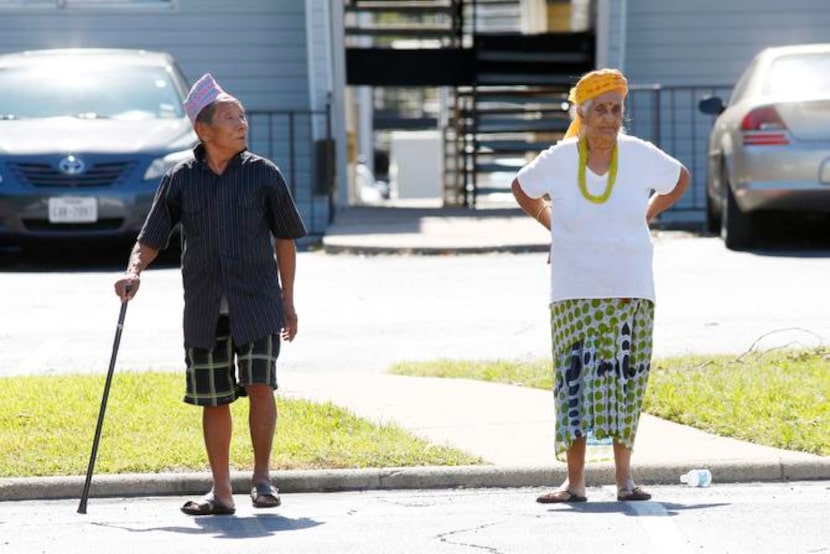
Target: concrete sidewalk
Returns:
[[510, 428], [510, 425], [420, 230]]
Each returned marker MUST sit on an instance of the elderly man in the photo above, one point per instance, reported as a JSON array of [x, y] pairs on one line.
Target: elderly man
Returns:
[[238, 224]]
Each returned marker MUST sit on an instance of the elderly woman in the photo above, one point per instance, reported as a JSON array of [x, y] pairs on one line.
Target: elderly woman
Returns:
[[604, 188]]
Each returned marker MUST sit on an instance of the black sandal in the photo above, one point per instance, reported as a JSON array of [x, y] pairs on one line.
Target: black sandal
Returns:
[[635, 494], [560, 497], [207, 506], [265, 495]]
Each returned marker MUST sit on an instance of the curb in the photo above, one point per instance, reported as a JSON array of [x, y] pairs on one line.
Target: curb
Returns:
[[384, 244], [338, 480], [374, 250]]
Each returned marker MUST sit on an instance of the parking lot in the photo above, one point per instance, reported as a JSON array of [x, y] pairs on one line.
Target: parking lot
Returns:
[[362, 313]]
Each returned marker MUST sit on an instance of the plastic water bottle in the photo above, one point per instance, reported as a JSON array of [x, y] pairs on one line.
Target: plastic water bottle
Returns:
[[697, 478]]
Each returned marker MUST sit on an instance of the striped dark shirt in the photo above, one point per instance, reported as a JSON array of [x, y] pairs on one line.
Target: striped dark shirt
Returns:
[[228, 222]]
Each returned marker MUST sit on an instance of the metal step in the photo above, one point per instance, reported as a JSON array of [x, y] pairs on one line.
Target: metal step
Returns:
[[516, 127], [523, 78], [531, 57], [408, 31], [403, 9], [388, 20], [513, 146]]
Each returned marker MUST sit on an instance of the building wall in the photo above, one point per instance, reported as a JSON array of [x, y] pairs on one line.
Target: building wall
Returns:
[[319, 52], [255, 48], [609, 33], [711, 41]]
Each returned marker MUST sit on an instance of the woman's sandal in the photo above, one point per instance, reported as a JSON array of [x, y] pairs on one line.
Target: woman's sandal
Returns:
[[634, 494], [560, 497]]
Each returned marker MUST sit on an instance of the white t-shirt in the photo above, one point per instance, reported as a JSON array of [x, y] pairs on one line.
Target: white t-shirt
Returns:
[[600, 250]]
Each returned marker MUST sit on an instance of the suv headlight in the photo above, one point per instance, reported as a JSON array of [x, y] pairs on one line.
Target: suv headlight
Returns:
[[160, 166]]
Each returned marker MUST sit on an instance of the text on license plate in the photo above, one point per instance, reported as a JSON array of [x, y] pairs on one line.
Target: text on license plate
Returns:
[[73, 210]]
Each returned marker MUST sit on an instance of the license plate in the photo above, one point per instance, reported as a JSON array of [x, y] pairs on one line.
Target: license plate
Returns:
[[73, 210]]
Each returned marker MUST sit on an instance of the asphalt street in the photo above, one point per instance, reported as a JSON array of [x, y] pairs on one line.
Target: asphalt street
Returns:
[[787, 518], [363, 313]]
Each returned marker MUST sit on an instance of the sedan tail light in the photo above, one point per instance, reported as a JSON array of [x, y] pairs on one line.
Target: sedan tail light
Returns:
[[764, 127]]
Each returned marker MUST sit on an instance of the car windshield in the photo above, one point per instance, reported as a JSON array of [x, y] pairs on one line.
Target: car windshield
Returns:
[[88, 91], [799, 75]]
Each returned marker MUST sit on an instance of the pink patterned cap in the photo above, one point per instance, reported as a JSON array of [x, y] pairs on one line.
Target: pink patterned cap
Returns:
[[203, 93]]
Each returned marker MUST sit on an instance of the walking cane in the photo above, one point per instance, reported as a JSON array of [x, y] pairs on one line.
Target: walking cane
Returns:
[[85, 495]]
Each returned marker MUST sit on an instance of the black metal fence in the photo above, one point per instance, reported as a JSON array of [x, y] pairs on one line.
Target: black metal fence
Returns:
[[669, 117], [300, 142]]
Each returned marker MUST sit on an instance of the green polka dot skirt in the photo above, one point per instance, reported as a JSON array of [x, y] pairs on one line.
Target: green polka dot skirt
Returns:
[[601, 360]]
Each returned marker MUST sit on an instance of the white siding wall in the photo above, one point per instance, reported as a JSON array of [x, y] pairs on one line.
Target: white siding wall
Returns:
[[319, 47], [255, 48], [615, 33], [711, 41]]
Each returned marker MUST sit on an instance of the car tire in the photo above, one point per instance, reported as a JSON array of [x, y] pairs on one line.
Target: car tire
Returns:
[[735, 225], [712, 217]]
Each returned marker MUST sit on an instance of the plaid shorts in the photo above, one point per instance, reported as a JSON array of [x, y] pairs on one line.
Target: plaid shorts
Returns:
[[211, 379]]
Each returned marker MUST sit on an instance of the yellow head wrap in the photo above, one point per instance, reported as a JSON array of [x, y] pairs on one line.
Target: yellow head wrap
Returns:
[[590, 86]]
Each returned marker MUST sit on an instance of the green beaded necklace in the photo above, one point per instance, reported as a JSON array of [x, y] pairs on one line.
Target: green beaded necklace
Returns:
[[583, 163]]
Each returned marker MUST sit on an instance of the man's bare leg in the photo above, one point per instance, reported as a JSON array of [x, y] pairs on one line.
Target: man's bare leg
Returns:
[[217, 427], [262, 422]]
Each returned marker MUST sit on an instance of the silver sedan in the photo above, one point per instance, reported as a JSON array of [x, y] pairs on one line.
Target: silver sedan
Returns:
[[769, 149]]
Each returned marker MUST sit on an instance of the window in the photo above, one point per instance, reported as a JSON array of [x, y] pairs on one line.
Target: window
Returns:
[[799, 74], [86, 89], [743, 83]]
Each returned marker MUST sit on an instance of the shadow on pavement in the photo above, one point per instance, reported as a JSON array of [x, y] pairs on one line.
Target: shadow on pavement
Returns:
[[76, 258], [652, 508], [790, 235], [231, 527]]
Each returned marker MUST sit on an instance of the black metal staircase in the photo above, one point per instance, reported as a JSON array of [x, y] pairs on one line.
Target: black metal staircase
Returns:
[[509, 89], [419, 19], [494, 129]]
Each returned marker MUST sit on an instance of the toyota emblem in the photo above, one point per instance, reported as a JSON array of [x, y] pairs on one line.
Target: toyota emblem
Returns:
[[71, 165]]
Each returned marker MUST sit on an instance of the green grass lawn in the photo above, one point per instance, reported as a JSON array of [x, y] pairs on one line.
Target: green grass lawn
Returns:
[[779, 399], [47, 425]]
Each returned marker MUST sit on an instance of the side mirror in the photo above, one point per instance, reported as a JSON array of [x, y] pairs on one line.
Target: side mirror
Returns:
[[711, 105]]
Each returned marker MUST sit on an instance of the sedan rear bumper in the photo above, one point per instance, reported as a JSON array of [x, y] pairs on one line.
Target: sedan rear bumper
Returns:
[[795, 177], [799, 197]]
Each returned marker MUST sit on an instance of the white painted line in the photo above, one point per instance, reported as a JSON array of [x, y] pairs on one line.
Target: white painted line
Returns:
[[658, 525], [660, 528]]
